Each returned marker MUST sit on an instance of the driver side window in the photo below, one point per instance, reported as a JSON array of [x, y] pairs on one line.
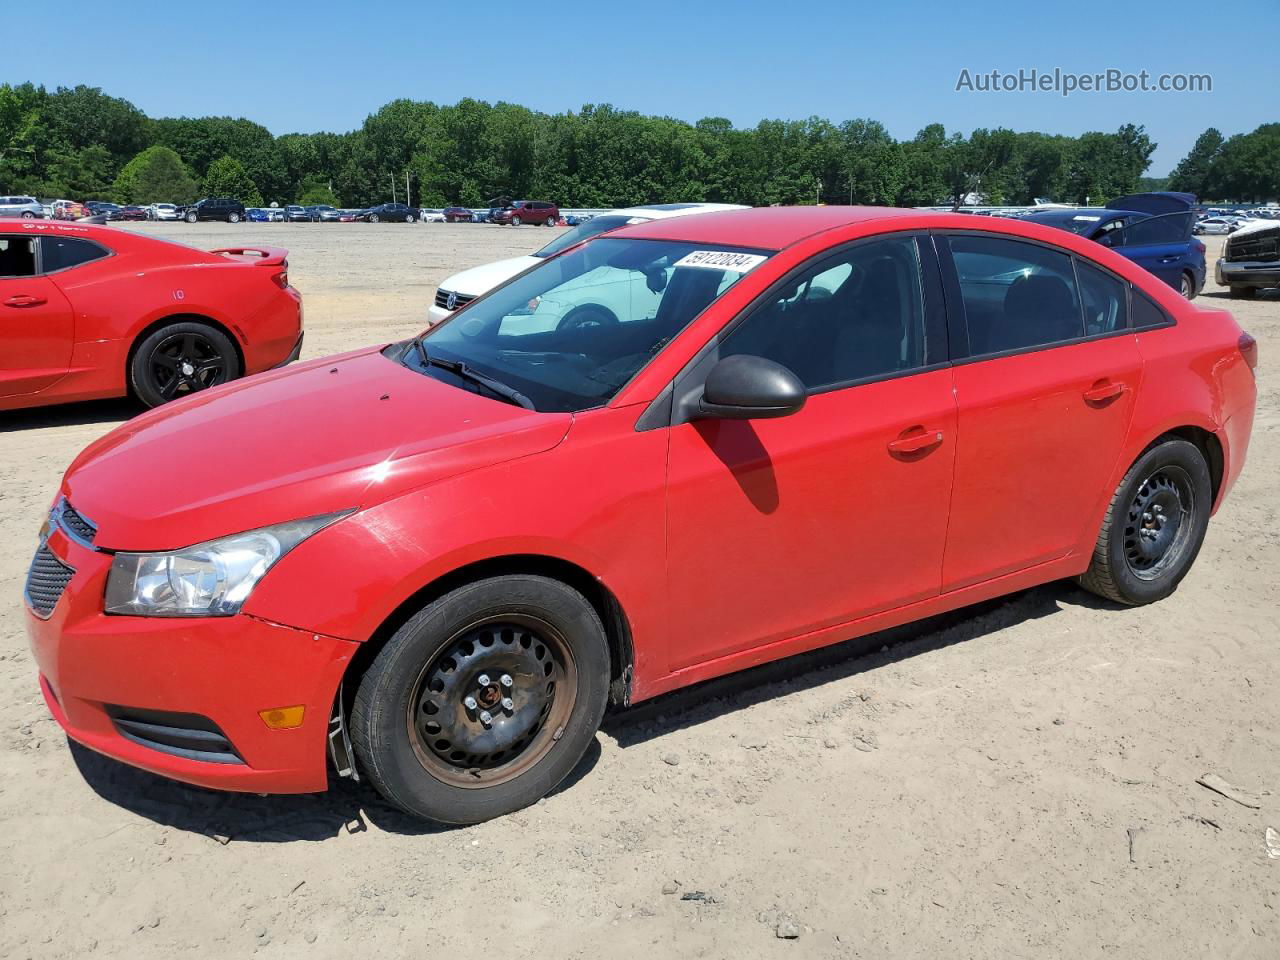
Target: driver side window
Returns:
[[855, 316]]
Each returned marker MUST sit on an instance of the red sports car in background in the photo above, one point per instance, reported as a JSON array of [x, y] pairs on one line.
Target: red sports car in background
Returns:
[[804, 425], [90, 311]]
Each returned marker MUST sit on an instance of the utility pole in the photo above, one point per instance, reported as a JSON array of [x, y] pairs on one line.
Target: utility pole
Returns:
[[406, 189], [393, 188]]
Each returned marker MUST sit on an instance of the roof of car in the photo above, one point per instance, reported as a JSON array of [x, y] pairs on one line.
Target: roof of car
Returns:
[[764, 228]]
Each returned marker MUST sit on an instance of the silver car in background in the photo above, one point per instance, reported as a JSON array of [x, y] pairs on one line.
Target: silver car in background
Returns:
[[28, 208], [162, 211]]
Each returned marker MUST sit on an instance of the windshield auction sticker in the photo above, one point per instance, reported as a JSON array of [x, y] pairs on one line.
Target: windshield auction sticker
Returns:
[[721, 260]]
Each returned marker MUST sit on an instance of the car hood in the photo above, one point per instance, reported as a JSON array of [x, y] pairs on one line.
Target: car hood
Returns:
[[482, 279], [309, 439]]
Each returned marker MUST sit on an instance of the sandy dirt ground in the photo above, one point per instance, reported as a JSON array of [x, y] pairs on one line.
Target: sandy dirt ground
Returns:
[[1018, 781]]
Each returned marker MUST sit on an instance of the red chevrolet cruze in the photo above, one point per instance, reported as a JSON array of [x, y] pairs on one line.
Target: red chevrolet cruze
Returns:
[[437, 561], [90, 311]]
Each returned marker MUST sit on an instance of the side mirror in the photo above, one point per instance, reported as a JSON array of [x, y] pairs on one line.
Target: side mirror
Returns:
[[1107, 240], [744, 387]]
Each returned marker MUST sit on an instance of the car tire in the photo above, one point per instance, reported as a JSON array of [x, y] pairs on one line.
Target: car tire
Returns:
[[1243, 293], [1140, 558], [233, 218], [587, 315], [408, 218], [1187, 286], [373, 218], [158, 367], [516, 221], [417, 721], [191, 217], [28, 215], [551, 221]]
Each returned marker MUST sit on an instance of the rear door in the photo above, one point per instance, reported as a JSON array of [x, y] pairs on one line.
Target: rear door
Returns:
[[37, 327], [1160, 245], [1044, 400]]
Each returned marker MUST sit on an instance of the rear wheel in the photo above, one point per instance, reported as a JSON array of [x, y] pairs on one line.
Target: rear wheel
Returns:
[[180, 359], [551, 221], [408, 218], [1188, 286], [1154, 526], [1243, 293], [233, 218], [28, 215], [484, 700]]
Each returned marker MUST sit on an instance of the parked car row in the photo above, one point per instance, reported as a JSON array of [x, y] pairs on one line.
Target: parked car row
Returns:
[[384, 577]]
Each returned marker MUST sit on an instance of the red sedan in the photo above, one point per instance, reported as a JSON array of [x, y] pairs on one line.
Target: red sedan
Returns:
[[807, 425], [92, 311]]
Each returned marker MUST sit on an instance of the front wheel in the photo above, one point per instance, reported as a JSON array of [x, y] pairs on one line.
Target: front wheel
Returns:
[[484, 700], [516, 221], [373, 218], [191, 217], [233, 218], [1153, 527], [408, 218], [180, 359]]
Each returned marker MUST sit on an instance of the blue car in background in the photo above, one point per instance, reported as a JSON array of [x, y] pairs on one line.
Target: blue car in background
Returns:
[[1154, 230], [261, 215]]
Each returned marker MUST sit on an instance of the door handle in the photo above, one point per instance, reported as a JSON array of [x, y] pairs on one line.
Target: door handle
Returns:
[[1168, 259], [24, 300], [915, 442], [1103, 390]]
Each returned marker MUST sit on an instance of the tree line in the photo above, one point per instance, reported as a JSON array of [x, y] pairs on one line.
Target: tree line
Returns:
[[81, 143]]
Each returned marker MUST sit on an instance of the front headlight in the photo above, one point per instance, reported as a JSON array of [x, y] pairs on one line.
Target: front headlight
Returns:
[[211, 579]]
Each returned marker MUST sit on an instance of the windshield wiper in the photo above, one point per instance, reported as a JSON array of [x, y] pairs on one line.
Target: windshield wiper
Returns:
[[460, 369]]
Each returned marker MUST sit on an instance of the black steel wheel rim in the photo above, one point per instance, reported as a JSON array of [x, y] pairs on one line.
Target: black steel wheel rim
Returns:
[[493, 702], [1160, 522], [185, 363]]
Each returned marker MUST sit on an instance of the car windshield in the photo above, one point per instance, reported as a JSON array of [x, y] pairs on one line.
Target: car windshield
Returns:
[[592, 227], [568, 334]]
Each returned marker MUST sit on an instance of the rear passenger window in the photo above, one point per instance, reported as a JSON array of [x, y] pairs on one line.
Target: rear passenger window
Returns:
[[1104, 300], [59, 253], [17, 256], [1146, 313], [1016, 295], [854, 316]]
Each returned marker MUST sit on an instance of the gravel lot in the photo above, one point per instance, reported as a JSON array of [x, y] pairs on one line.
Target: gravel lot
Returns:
[[1015, 781]]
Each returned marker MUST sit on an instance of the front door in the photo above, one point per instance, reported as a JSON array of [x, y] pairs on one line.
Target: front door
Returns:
[[781, 527], [36, 322]]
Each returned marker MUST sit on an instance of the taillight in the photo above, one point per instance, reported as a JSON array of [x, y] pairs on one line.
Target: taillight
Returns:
[[1249, 350], [282, 278]]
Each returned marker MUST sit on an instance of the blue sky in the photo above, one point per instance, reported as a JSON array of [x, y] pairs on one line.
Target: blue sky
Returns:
[[326, 65]]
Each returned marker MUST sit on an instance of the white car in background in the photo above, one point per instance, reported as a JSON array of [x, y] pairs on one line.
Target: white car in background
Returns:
[[163, 211], [461, 288], [28, 208], [1211, 226], [429, 215]]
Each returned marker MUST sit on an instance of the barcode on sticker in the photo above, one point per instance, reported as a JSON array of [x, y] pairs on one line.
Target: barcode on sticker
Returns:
[[721, 260]]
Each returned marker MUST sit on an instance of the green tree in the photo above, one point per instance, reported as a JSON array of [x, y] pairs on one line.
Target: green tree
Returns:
[[313, 190], [227, 177], [156, 175], [1191, 175]]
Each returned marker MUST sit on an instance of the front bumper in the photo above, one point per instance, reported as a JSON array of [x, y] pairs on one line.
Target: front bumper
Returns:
[[225, 669], [437, 314], [1246, 273]]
